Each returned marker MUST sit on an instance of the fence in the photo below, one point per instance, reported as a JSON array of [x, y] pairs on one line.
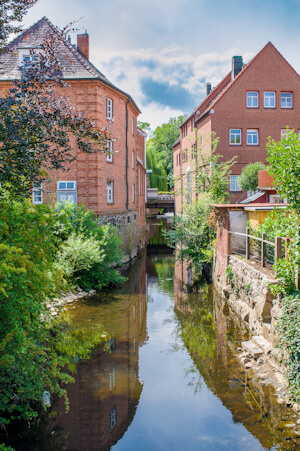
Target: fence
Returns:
[[258, 248]]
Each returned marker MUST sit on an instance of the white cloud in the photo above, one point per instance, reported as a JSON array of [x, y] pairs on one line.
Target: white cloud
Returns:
[[172, 66]]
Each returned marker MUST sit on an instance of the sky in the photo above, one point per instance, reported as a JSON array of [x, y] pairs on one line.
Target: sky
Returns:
[[163, 52]]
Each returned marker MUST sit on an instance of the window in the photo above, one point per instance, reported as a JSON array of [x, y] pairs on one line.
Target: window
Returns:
[[37, 194], [133, 125], [252, 99], [235, 136], [110, 192], [109, 108], [133, 192], [67, 191], [234, 186], [113, 418], [109, 148], [112, 378], [184, 130], [188, 183], [284, 133], [252, 137], [132, 160], [269, 100], [286, 100], [26, 56], [298, 134]]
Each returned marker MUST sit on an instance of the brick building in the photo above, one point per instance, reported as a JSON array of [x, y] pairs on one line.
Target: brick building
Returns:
[[254, 101], [113, 186]]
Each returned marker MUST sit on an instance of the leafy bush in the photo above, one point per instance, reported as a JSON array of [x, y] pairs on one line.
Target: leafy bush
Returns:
[[248, 180], [289, 340], [89, 251]]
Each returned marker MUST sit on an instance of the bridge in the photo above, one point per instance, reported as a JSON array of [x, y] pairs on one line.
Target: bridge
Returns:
[[158, 201]]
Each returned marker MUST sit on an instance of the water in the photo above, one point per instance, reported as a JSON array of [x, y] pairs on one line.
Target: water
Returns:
[[172, 380]]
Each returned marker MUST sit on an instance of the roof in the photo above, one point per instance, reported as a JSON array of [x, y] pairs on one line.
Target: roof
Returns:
[[253, 197], [240, 74], [73, 64], [176, 142], [209, 98], [253, 207]]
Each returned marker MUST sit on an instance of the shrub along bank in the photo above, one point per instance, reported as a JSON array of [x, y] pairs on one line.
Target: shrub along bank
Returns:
[[43, 251]]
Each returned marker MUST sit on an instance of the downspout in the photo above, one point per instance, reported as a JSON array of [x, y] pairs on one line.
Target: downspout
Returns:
[[126, 152]]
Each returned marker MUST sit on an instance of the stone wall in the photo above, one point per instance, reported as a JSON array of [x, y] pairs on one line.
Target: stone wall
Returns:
[[133, 237], [248, 294]]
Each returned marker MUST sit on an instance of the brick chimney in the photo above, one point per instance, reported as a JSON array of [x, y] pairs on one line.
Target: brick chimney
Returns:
[[83, 44]]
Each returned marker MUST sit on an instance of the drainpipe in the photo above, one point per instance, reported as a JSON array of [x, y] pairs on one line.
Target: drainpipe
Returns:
[[126, 152]]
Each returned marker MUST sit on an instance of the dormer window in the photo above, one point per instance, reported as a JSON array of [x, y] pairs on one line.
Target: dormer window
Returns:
[[27, 56]]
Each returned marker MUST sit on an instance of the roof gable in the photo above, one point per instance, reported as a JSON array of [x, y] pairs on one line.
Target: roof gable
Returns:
[[72, 63], [269, 48]]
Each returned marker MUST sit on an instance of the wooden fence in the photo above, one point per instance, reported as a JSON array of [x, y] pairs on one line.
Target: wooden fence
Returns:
[[280, 245]]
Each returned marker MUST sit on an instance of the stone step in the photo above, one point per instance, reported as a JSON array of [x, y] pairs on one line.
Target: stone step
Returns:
[[252, 348], [262, 343]]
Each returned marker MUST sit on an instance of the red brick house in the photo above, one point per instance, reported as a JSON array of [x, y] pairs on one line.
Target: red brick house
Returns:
[[113, 186], [254, 101]]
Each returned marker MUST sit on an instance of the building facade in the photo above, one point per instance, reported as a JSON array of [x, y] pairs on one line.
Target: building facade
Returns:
[[253, 102], [113, 185]]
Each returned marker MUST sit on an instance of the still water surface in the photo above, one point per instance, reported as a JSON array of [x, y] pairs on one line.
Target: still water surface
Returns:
[[172, 380]]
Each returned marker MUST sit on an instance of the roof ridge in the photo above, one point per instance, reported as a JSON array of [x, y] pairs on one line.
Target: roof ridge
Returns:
[[269, 43]]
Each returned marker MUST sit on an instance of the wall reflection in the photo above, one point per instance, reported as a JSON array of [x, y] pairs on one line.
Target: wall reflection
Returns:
[[211, 334], [107, 390]]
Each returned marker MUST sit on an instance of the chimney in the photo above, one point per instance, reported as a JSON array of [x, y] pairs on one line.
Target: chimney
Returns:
[[83, 44], [237, 65], [208, 88]]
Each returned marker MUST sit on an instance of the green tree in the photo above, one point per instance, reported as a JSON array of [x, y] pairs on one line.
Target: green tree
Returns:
[[11, 12], [248, 180], [38, 127], [284, 159], [162, 140], [158, 178]]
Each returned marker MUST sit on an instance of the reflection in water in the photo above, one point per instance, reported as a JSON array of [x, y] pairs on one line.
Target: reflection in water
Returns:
[[211, 336], [172, 380]]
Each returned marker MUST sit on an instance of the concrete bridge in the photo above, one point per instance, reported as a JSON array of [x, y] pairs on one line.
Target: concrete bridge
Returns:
[[155, 200]]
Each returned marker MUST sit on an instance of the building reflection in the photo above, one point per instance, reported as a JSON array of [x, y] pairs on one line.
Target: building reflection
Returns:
[[211, 334], [107, 390]]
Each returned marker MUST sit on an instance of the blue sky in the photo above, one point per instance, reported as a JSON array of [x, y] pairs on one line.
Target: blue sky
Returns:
[[162, 52]]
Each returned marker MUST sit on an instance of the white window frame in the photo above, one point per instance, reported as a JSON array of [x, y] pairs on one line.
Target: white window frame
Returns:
[[109, 147], [37, 190], [250, 134], [283, 99], [235, 132], [133, 192], [267, 98], [133, 125], [133, 160], [251, 95], [109, 108], [110, 192], [236, 188], [65, 187], [284, 132]]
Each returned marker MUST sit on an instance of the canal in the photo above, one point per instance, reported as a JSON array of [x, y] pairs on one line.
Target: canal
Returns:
[[172, 379]]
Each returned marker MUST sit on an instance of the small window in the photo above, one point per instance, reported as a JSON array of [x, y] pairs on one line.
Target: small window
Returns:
[[37, 194], [252, 137], [113, 418], [234, 186], [252, 99], [132, 160], [109, 108], [269, 100], [235, 136], [110, 192], [133, 125], [286, 100], [109, 148], [67, 191], [133, 192], [70, 186], [284, 133]]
